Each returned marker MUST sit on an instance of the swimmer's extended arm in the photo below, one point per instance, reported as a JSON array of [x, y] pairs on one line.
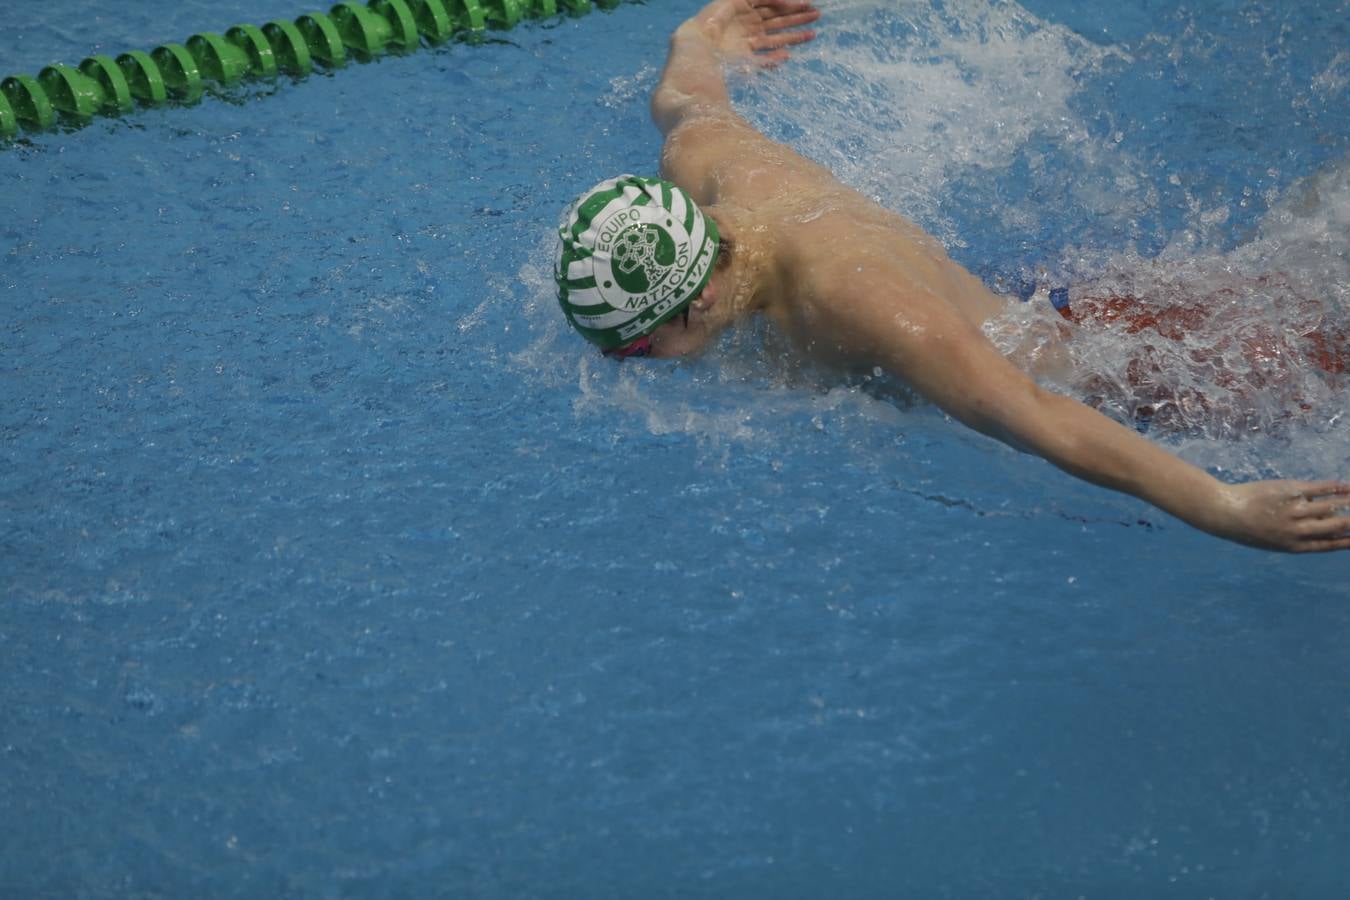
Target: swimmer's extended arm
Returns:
[[949, 361], [724, 30]]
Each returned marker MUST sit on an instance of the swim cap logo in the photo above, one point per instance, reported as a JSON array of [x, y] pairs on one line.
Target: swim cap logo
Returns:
[[642, 255]]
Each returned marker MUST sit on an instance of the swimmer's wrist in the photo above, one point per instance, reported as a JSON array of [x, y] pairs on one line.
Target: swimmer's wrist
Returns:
[[1186, 491], [1221, 511]]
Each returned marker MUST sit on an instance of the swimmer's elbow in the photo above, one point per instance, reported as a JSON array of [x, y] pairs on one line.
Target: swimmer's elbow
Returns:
[[1023, 417], [669, 105], [672, 106], [1077, 439]]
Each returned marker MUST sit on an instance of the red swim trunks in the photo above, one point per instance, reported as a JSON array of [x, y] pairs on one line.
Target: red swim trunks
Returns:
[[1326, 348], [1246, 357]]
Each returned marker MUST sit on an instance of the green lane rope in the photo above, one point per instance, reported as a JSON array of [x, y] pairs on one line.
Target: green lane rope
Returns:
[[181, 73]]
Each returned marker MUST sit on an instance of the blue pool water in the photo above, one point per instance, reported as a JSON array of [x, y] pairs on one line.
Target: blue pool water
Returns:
[[331, 565]]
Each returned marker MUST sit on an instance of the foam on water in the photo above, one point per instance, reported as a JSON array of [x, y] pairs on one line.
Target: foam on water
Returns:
[[907, 103]]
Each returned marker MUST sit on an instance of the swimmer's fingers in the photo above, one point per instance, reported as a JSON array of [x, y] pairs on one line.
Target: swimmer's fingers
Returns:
[[1335, 507], [1322, 544], [1311, 490], [1323, 517], [771, 49], [788, 16], [770, 60], [1325, 546], [770, 9], [779, 15], [1292, 516], [778, 41]]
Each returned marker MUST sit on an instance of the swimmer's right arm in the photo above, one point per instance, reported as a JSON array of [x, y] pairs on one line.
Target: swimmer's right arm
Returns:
[[950, 362], [1288, 516], [724, 30]]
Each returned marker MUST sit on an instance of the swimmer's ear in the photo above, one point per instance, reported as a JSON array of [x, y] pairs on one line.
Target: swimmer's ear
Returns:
[[708, 296]]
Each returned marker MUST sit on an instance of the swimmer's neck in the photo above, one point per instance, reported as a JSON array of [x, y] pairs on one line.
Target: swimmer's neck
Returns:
[[757, 273], [750, 276]]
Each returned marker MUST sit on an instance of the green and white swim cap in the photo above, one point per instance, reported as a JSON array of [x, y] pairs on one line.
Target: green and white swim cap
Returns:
[[634, 253]]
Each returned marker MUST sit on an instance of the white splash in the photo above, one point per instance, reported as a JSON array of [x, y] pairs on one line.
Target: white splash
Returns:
[[900, 100]]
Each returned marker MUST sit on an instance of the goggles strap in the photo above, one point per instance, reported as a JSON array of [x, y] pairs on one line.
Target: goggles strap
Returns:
[[641, 347]]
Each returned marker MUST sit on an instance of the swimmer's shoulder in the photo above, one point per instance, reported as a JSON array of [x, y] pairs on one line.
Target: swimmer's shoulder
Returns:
[[694, 150], [717, 156]]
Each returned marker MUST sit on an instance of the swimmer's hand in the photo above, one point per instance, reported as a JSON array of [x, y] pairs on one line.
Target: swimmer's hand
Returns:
[[1292, 516], [744, 32], [755, 30]]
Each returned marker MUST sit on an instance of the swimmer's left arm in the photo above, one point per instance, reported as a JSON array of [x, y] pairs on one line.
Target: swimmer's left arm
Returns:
[[755, 30], [948, 360]]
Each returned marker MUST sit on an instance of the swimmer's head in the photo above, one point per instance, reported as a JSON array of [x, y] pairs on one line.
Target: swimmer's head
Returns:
[[634, 253]]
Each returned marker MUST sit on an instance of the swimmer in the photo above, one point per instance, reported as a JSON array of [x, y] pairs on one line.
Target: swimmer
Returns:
[[740, 226]]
